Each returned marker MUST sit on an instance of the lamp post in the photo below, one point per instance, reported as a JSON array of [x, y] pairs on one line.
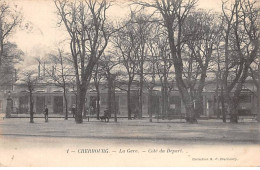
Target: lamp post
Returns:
[[9, 105]]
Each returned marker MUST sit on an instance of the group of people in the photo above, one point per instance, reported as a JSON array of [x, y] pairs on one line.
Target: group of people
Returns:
[[46, 112]]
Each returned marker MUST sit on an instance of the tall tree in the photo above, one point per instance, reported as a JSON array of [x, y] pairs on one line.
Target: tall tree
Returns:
[[201, 35], [97, 77], [107, 64], [142, 24], [8, 73], [58, 69], [29, 80], [241, 36], [174, 14], [126, 47], [161, 55], [10, 18], [86, 24]]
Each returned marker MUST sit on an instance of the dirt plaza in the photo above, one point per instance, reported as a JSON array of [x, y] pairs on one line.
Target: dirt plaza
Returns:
[[127, 143], [206, 131]]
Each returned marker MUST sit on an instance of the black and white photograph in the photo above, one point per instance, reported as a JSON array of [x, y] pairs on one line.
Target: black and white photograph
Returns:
[[129, 83]]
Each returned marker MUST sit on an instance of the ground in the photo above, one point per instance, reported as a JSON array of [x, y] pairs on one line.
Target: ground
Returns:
[[133, 141]]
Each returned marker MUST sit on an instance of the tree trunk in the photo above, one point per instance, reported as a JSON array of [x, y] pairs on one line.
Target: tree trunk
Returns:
[[85, 109], [163, 102], [66, 104], [1, 46], [216, 101], [31, 107], [114, 110], [223, 106], [198, 108], [199, 97], [218, 110], [190, 114], [109, 95], [166, 97], [258, 92], [218, 77], [258, 105], [235, 102], [186, 98], [233, 112], [140, 110], [166, 102], [150, 105], [98, 102], [129, 101], [140, 114], [81, 93], [178, 66]]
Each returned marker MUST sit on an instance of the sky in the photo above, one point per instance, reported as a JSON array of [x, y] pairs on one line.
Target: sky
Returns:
[[45, 33]]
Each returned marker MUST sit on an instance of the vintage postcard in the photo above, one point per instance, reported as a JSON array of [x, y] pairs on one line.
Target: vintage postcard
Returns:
[[147, 83]]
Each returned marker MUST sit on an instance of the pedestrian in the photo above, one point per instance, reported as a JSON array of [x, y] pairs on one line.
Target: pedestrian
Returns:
[[46, 112], [73, 110]]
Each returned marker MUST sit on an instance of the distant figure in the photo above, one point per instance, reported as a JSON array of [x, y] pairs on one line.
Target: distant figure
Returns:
[[73, 110], [46, 112], [106, 116]]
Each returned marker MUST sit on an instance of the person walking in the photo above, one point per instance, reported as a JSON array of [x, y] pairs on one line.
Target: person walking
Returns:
[[46, 112]]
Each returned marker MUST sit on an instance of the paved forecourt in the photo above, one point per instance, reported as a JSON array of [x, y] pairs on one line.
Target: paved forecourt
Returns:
[[205, 130]]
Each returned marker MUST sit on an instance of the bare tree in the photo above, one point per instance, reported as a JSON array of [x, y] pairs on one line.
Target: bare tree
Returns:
[[107, 64], [201, 34], [86, 24], [219, 61], [241, 36], [160, 53], [174, 14], [29, 80], [10, 18], [141, 25], [126, 47], [58, 69], [97, 78], [8, 73]]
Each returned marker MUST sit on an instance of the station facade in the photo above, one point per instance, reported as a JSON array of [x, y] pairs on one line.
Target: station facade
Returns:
[[52, 96]]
